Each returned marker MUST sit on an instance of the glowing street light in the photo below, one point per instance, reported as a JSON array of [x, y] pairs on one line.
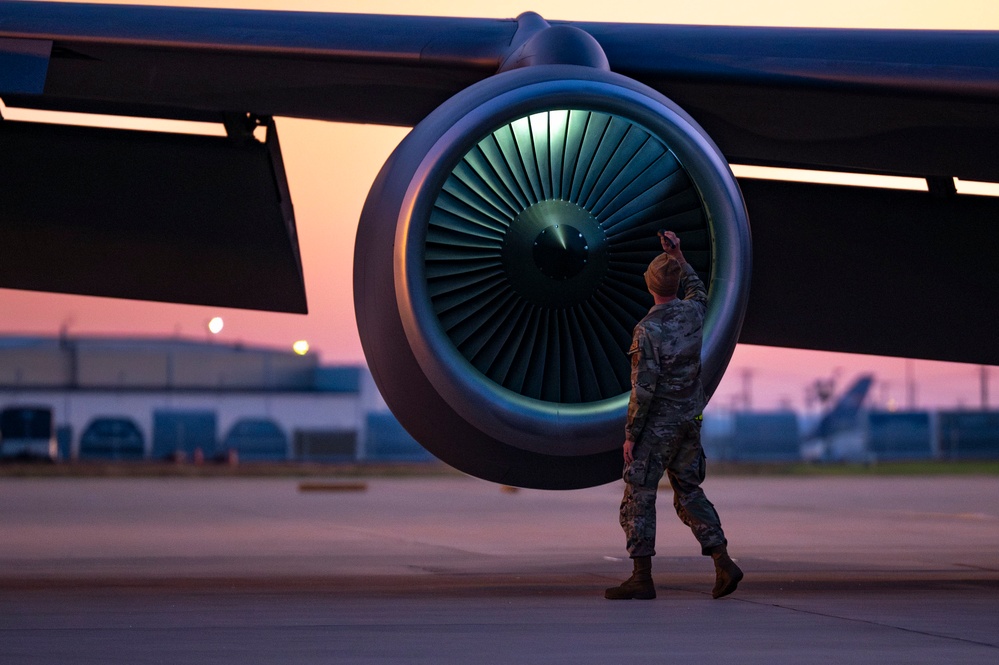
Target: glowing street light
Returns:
[[215, 325], [301, 347]]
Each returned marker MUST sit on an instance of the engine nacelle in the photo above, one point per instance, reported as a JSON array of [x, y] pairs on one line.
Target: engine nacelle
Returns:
[[499, 261]]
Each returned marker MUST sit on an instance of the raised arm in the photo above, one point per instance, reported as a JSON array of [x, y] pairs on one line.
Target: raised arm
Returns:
[[690, 284]]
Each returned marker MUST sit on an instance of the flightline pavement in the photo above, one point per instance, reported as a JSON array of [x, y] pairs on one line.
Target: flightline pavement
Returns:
[[454, 570]]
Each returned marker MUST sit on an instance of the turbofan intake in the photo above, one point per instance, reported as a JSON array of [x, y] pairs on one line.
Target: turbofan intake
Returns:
[[499, 261]]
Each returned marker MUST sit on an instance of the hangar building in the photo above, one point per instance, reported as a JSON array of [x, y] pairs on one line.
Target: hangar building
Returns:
[[129, 398]]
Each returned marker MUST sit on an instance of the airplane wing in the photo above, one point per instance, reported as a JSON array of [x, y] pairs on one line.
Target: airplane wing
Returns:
[[866, 270], [805, 98]]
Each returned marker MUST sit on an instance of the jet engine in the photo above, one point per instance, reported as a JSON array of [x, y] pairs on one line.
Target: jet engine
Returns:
[[498, 270]]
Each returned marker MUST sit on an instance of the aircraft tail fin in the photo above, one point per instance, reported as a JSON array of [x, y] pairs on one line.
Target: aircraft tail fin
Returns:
[[844, 412]]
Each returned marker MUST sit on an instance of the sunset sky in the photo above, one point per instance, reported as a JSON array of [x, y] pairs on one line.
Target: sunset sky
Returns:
[[330, 167]]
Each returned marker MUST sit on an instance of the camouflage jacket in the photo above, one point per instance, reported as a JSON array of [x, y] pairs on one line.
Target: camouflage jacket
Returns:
[[666, 359]]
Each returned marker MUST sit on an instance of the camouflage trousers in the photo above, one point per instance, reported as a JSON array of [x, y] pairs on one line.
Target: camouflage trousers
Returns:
[[673, 448]]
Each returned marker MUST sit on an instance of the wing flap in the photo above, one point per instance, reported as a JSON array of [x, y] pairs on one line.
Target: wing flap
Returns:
[[875, 271], [152, 216]]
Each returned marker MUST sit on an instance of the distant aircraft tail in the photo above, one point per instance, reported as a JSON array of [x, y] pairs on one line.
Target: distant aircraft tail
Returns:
[[838, 432], [843, 414]]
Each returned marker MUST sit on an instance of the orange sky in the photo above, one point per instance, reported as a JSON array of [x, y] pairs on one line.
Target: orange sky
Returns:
[[330, 167]]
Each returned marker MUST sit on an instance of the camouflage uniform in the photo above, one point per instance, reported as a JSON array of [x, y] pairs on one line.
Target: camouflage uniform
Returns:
[[666, 399]]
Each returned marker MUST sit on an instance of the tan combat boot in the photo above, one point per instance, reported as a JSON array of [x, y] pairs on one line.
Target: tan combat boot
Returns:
[[639, 586], [727, 574]]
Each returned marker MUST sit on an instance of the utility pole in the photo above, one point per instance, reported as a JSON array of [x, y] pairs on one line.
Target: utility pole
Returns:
[[910, 385], [747, 388], [984, 378]]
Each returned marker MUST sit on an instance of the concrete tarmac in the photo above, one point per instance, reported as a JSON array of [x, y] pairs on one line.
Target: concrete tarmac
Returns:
[[455, 570]]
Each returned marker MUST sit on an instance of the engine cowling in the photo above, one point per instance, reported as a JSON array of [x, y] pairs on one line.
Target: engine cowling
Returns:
[[499, 261]]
